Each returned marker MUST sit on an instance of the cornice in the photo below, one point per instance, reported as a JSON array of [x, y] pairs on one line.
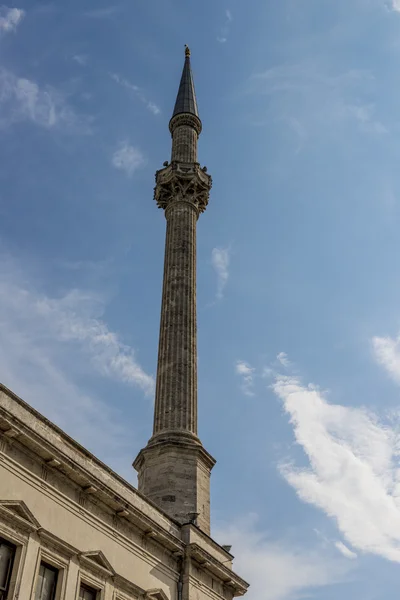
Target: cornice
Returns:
[[55, 457], [176, 444], [191, 531], [120, 534], [208, 562], [182, 119]]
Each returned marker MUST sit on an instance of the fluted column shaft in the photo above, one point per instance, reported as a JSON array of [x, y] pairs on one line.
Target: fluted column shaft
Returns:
[[184, 144], [176, 387]]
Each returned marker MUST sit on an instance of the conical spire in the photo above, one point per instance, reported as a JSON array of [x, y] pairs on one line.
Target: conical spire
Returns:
[[186, 98]]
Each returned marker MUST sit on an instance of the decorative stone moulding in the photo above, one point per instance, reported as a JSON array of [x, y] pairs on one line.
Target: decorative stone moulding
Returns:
[[17, 513], [156, 594], [11, 433], [182, 182], [185, 119], [215, 567], [96, 560]]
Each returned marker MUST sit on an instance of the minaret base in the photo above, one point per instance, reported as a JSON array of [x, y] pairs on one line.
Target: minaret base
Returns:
[[175, 475]]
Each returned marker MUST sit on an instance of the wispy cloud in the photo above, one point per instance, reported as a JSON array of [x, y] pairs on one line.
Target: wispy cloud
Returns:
[[24, 100], [246, 373], [282, 358], [70, 319], [343, 549], [49, 343], [224, 31], [102, 13], [364, 114], [279, 570], [311, 99], [127, 158], [220, 260], [387, 354], [137, 91], [352, 473], [396, 5], [81, 59], [10, 18]]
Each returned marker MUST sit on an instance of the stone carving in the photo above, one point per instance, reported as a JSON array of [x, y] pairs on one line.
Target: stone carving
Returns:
[[185, 119], [182, 182]]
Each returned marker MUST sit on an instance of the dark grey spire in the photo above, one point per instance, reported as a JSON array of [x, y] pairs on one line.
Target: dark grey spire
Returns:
[[186, 98]]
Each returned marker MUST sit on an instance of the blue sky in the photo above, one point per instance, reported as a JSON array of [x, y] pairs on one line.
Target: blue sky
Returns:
[[298, 270]]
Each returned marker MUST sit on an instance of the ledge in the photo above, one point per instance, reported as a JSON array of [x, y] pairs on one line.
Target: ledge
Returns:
[[175, 444], [192, 534], [208, 562], [50, 443]]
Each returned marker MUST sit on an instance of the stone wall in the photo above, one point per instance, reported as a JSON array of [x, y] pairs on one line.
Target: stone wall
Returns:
[[60, 504]]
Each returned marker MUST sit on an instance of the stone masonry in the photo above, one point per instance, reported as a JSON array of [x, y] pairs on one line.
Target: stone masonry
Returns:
[[174, 469]]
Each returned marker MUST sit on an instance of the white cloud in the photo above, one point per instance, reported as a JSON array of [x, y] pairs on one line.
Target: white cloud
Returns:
[[387, 354], [24, 100], [278, 570], [283, 359], [312, 99], [365, 115], [70, 319], [220, 259], [10, 18], [124, 82], [81, 59], [128, 158], [343, 549], [246, 372], [49, 344], [151, 106], [224, 31], [352, 473], [396, 5]]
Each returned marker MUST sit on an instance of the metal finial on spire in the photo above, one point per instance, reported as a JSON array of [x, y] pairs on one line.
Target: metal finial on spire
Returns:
[[186, 98]]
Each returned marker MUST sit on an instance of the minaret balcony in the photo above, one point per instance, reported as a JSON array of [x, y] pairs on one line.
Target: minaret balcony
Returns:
[[183, 182]]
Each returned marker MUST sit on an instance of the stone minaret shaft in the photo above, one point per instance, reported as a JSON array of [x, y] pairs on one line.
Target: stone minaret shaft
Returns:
[[174, 469], [176, 389]]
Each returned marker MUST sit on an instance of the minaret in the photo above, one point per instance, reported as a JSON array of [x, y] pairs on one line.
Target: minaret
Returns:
[[174, 469]]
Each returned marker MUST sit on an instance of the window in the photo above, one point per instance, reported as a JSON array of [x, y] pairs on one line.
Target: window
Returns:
[[7, 553], [87, 593], [47, 582]]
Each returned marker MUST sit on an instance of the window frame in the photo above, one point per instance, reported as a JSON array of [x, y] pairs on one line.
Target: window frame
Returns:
[[8, 580], [50, 567], [20, 543], [93, 576], [92, 586], [51, 558]]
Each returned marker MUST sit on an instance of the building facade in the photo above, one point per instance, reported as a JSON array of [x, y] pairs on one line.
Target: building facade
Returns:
[[71, 528]]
